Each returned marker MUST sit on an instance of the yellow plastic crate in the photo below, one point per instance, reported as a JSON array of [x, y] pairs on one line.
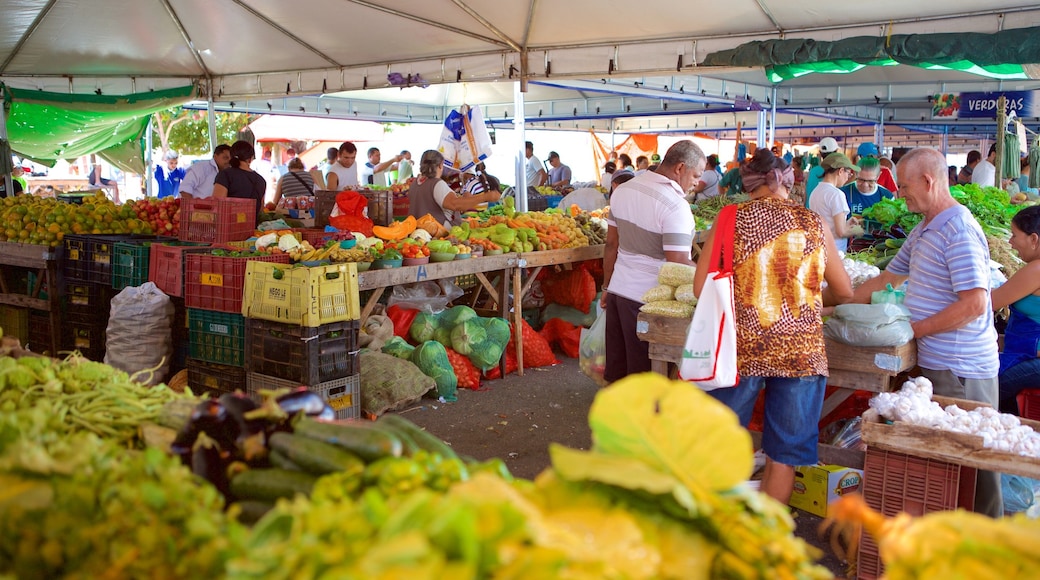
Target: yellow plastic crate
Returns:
[[305, 296]]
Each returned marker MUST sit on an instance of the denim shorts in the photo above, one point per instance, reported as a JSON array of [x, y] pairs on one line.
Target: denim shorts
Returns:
[[791, 429]]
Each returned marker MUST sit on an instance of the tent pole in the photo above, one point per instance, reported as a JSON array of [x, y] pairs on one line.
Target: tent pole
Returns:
[[8, 180], [880, 130], [148, 158], [761, 129], [211, 117], [772, 120], [520, 193]]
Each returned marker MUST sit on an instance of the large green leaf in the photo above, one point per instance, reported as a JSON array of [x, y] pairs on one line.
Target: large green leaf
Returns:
[[625, 472], [675, 428]]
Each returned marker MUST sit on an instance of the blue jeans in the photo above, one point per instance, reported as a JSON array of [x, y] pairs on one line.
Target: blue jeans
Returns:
[[1024, 375], [792, 420]]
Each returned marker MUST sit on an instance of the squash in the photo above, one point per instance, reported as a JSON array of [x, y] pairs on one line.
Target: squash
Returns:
[[432, 226], [396, 231]]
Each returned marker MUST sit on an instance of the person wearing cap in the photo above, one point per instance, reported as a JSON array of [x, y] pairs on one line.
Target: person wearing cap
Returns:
[[168, 176], [985, 172], [560, 174], [649, 224], [829, 201], [827, 146], [945, 262], [866, 190]]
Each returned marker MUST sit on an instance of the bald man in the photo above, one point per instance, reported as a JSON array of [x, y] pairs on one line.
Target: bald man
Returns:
[[947, 295]]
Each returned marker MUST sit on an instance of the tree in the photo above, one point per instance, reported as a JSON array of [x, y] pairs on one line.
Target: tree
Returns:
[[187, 131]]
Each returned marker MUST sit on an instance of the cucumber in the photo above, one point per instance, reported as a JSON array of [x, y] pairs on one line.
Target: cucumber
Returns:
[[314, 456], [250, 511], [421, 437], [362, 439], [281, 461], [271, 484], [408, 444]]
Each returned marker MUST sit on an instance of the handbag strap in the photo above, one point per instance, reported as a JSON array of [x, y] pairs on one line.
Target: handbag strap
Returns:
[[310, 188], [722, 245]]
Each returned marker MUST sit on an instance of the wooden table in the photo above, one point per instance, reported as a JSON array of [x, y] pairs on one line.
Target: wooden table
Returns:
[[46, 262], [379, 280]]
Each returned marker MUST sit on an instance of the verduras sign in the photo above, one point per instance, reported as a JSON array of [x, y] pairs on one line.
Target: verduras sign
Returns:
[[984, 105]]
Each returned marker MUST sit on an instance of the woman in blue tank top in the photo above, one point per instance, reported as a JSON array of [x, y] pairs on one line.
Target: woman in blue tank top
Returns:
[[1019, 362]]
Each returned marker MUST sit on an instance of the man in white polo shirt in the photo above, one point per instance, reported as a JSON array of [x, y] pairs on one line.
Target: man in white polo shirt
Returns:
[[649, 224], [198, 180]]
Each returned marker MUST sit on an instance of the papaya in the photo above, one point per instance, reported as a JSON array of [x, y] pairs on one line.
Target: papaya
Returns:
[[397, 231]]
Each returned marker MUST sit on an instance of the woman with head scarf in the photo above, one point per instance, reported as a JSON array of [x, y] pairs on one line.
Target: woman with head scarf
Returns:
[[429, 194], [782, 254]]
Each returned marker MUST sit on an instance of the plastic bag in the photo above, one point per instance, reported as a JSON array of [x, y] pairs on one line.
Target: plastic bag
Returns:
[[575, 288], [568, 314], [869, 325], [138, 334], [889, 295], [1019, 492], [430, 297], [593, 349], [402, 319]]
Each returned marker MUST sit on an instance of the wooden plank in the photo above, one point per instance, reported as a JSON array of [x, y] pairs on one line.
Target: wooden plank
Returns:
[[827, 454], [958, 448], [835, 400], [486, 284], [25, 301], [658, 329], [373, 279], [665, 352], [518, 316], [859, 380], [30, 255], [371, 304], [890, 360], [564, 256]]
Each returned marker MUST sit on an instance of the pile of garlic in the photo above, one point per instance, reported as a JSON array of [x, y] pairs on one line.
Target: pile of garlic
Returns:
[[999, 431], [859, 272]]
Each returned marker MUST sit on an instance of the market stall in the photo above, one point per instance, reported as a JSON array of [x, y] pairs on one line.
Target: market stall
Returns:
[[30, 281]]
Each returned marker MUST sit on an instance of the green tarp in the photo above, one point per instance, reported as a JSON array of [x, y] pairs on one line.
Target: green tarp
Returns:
[[998, 55], [47, 126]]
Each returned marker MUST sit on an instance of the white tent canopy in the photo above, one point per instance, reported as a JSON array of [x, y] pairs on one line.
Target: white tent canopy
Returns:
[[279, 128], [274, 56]]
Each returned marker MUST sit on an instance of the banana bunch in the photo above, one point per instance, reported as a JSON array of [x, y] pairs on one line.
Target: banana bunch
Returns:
[[546, 190], [949, 544], [300, 253]]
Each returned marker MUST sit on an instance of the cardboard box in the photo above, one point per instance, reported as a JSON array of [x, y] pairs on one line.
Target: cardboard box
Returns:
[[815, 486]]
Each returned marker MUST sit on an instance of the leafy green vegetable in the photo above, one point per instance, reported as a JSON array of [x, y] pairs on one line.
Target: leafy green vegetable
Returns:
[[432, 360], [423, 326]]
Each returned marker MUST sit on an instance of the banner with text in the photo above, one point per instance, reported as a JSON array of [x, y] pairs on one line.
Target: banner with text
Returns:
[[984, 105]]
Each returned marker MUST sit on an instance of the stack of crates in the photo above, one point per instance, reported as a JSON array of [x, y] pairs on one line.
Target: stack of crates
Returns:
[[167, 266], [302, 328], [213, 290]]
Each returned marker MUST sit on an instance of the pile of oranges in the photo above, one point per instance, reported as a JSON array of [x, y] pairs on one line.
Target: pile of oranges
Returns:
[[29, 219]]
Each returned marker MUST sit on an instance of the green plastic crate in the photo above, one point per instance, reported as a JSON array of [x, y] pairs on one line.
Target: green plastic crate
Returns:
[[217, 337], [130, 264]]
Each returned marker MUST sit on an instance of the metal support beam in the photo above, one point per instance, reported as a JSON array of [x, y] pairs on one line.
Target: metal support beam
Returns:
[[520, 192], [148, 190], [772, 119], [760, 130], [8, 182], [211, 118]]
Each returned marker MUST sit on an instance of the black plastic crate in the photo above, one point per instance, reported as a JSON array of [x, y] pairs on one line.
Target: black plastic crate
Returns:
[[87, 302], [307, 355], [210, 377], [88, 258], [179, 328], [89, 338], [40, 332]]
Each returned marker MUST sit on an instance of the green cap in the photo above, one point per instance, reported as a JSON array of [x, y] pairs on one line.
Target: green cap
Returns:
[[838, 160]]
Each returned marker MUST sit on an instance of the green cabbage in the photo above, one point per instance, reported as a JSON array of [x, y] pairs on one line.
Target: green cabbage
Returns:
[[457, 315], [487, 347], [467, 336], [397, 346], [432, 360], [443, 336], [423, 326]]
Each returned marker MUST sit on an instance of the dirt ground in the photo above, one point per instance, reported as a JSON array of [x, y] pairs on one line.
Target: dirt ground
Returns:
[[516, 419]]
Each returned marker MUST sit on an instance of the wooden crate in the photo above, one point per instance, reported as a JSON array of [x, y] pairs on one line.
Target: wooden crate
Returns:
[[867, 368], [959, 448]]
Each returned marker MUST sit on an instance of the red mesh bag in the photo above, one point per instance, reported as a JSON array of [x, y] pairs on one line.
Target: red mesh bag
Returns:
[[574, 288], [402, 319], [465, 371], [562, 336]]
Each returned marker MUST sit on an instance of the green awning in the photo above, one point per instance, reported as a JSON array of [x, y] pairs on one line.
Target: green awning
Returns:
[[999, 55], [47, 126]]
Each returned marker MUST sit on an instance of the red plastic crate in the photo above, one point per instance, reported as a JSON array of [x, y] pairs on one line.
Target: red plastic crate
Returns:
[[1029, 404], [401, 201], [896, 482], [217, 220], [216, 282], [166, 265]]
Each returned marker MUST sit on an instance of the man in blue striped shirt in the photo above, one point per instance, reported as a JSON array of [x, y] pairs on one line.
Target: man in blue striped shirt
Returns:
[[945, 260]]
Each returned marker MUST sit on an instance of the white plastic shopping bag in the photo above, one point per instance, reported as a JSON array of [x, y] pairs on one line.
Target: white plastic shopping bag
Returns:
[[709, 357]]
